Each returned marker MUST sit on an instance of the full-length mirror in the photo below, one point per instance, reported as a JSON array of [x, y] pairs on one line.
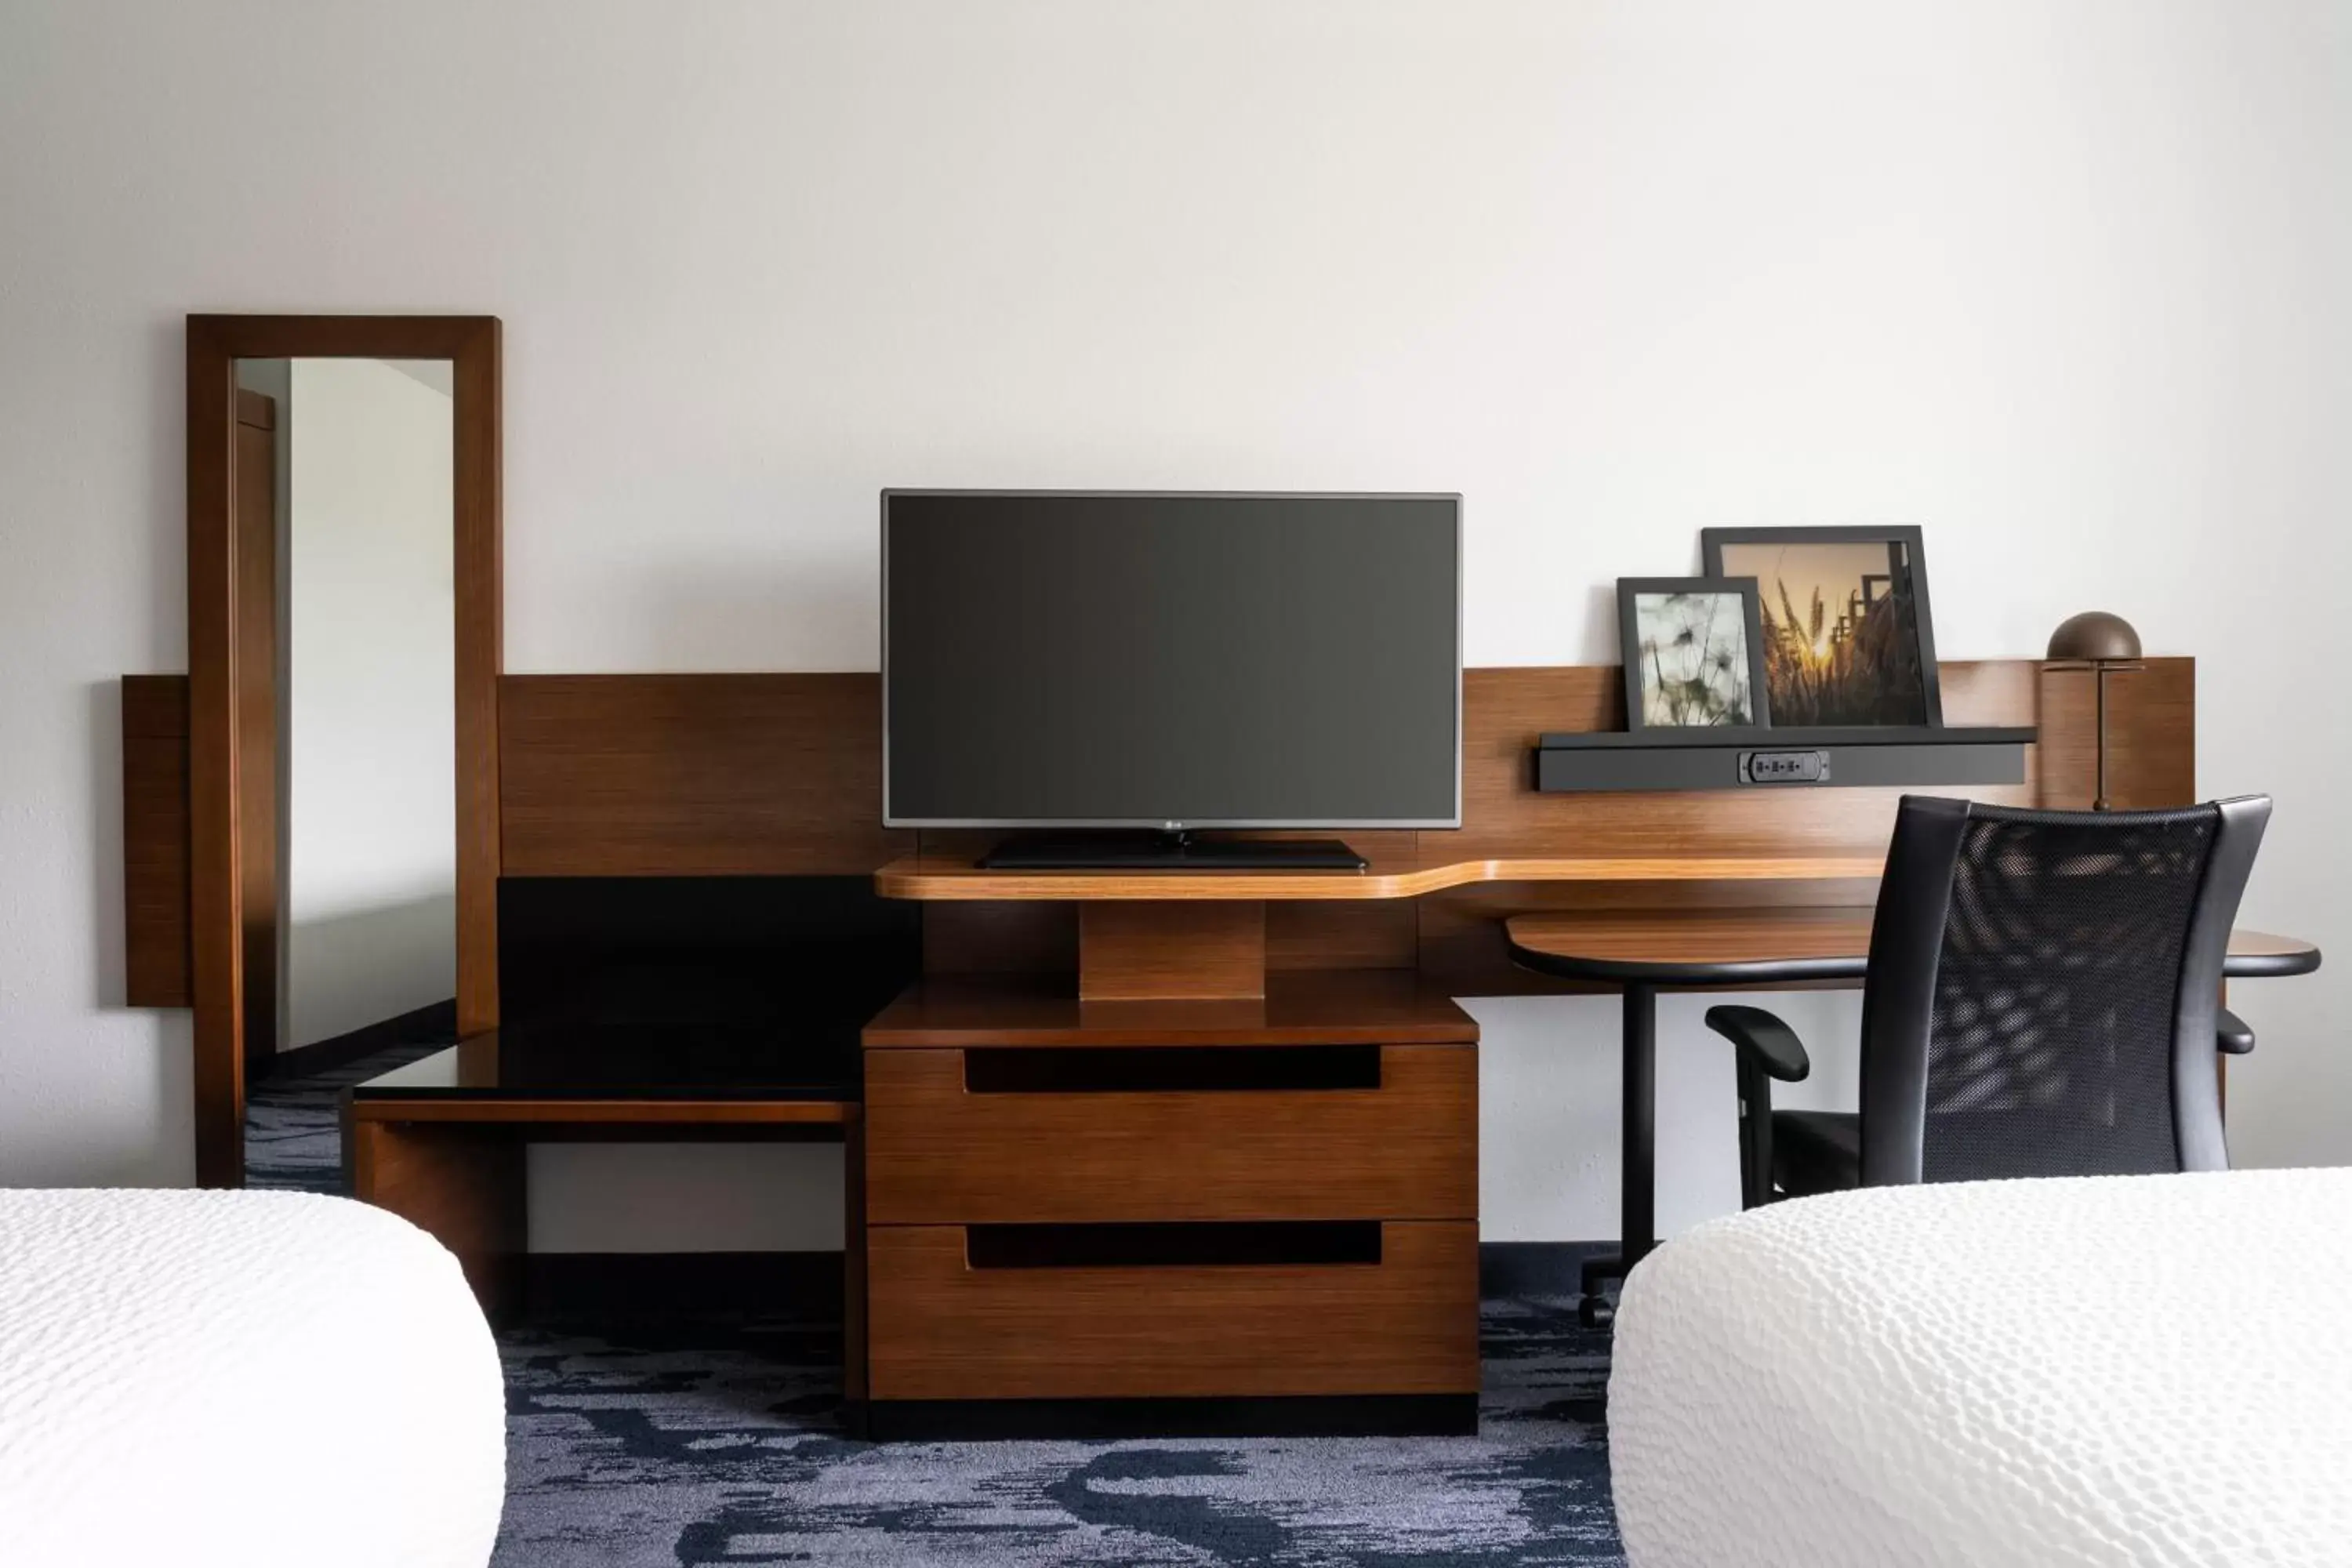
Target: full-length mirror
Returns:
[[344, 653], [347, 712]]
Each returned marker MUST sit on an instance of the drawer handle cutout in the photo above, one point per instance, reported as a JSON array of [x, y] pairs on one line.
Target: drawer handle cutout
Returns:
[[1190, 1069], [1207, 1243]]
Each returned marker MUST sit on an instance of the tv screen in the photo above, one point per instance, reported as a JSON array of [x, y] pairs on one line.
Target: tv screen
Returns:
[[1166, 661]]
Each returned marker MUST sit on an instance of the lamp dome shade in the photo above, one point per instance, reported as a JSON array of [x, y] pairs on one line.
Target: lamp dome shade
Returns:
[[2094, 635]]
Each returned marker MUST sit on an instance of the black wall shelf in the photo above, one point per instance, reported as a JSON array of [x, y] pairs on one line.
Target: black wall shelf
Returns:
[[1780, 758]]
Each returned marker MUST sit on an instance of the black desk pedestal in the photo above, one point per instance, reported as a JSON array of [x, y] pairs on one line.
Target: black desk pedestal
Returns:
[[1637, 1160]]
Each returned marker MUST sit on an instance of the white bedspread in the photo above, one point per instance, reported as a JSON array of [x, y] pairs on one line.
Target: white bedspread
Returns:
[[2147, 1370], [257, 1379]]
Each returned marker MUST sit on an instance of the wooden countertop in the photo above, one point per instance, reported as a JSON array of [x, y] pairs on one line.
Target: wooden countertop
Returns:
[[1727, 946], [940, 877]]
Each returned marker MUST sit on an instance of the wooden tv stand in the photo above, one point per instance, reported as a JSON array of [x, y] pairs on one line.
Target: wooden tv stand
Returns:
[[1172, 1193]]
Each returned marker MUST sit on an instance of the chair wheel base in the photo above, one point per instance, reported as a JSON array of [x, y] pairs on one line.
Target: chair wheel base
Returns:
[[1593, 1309]]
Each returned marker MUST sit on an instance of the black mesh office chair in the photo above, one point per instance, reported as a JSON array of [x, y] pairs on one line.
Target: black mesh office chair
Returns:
[[2043, 1000]]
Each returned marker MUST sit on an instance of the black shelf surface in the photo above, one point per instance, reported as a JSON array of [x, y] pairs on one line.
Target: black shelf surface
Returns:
[[633, 1063], [735, 988], [1751, 738], [1601, 762]]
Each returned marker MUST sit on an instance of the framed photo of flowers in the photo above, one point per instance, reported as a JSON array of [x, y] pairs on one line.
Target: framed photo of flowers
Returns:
[[1693, 652], [1847, 638]]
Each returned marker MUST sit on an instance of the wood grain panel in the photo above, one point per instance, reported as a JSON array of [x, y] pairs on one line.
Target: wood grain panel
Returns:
[[604, 776], [926, 879], [1724, 936], [216, 889], [463, 1186], [1464, 953], [257, 617], [1171, 951], [1006, 938], [2259, 945], [853, 1263], [478, 501], [1765, 936], [940, 1330], [155, 841], [1322, 935], [1989, 693], [1366, 1007], [2151, 735], [939, 1153], [1506, 712]]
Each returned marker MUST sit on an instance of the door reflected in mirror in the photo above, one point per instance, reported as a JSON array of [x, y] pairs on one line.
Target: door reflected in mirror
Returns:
[[342, 481]]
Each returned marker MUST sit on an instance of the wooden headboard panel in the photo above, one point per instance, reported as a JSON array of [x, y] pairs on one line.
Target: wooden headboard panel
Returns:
[[603, 775], [685, 775], [671, 775], [157, 958], [2151, 762], [1505, 710]]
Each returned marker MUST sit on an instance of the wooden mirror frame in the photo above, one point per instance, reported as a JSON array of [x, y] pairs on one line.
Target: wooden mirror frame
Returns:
[[215, 885]]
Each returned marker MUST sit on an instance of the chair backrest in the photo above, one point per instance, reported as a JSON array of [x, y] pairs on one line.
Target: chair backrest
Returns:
[[2043, 990]]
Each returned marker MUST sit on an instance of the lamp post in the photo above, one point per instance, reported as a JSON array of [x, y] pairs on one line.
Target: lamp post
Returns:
[[2100, 643]]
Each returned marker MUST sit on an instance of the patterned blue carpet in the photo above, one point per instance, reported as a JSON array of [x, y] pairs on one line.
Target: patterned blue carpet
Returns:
[[716, 1440]]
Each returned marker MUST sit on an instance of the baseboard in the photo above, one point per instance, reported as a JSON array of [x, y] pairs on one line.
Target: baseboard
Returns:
[[1324, 1415], [436, 1021], [647, 1284], [1534, 1267]]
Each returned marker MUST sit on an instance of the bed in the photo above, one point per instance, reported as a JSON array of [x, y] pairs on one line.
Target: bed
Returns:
[[2144, 1369], [200, 1378]]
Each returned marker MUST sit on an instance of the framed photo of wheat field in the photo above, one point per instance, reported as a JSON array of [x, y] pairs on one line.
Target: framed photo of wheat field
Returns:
[[1846, 634], [1692, 650]]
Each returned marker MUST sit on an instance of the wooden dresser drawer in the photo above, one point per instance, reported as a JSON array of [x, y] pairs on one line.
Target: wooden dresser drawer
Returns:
[[940, 1327], [1173, 1134]]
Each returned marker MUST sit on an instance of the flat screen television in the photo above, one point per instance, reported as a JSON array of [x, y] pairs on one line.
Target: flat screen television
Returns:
[[1167, 662]]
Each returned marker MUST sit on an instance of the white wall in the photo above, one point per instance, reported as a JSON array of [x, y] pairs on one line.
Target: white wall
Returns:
[[370, 868], [2065, 284]]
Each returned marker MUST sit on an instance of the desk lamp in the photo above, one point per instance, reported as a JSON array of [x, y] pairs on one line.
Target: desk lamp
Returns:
[[2100, 643]]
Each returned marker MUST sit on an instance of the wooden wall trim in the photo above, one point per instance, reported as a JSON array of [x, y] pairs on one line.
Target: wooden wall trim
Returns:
[[156, 955], [214, 345], [478, 458], [215, 915]]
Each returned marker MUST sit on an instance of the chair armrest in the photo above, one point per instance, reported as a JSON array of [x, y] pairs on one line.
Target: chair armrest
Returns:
[[1762, 1037], [2232, 1034]]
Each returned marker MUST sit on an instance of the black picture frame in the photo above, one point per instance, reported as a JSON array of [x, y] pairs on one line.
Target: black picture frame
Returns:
[[1909, 559], [1631, 590]]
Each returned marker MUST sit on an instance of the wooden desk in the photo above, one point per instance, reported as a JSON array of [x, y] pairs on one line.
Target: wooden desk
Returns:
[[1639, 951]]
